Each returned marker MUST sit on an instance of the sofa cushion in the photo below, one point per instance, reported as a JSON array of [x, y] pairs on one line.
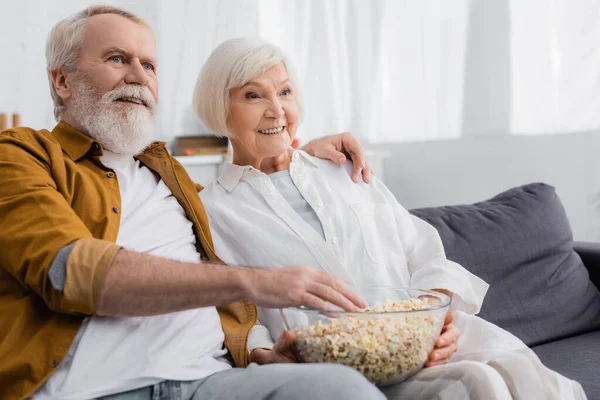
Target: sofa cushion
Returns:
[[520, 242], [576, 358]]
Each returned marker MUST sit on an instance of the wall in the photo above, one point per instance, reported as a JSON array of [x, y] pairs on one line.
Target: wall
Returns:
[[475, 168]]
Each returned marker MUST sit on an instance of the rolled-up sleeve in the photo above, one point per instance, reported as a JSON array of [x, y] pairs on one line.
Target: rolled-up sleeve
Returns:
[[427, 263], [36, 222], [430, 269]]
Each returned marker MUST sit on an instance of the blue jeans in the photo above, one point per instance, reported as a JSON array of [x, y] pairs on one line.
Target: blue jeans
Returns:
[[274, 381]]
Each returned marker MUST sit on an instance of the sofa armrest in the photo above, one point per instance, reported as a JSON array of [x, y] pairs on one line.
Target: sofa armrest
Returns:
[[590, 255]]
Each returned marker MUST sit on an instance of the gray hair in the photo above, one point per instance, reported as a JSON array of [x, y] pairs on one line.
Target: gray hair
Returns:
[[65, 40], [232, 64]]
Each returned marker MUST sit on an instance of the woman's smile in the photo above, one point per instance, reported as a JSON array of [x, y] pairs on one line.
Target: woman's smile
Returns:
[[273, 131]]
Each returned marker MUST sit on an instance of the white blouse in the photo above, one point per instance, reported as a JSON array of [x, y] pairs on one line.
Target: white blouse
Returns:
[[370, 239]]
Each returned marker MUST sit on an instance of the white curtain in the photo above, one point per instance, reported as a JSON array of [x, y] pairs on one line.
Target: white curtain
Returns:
[[331, 45], [383, 69], [187, 32], [555, 63]]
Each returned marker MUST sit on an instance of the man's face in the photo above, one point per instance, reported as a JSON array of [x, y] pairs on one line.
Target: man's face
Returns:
[[117, 52], [112, 96]]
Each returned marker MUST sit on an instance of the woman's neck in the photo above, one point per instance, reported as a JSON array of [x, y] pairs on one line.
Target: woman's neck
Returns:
[[266, 165], [276, 164]]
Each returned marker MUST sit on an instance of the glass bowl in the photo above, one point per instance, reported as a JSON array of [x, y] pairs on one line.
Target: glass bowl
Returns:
[[388, 342]]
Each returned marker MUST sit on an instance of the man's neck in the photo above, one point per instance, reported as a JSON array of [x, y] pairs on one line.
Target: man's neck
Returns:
[[68, 118]]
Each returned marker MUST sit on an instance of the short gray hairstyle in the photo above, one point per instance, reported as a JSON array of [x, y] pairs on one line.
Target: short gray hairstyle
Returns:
[[65, 40], [232, 64]]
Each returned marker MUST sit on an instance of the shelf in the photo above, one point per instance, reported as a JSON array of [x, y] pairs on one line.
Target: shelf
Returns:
[[190, 161]]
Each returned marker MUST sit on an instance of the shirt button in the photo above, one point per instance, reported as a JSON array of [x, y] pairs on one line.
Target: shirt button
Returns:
[[54, 363], [116, 210], [110, 174]]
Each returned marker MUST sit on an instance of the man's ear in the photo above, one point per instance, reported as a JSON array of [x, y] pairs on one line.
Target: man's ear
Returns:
[[61, 84]]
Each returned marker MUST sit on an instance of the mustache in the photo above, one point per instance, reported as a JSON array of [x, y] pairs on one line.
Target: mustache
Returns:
[[141, 93]]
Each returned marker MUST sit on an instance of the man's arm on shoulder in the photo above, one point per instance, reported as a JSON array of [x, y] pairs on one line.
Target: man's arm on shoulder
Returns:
[[337, 148], [36, 222]]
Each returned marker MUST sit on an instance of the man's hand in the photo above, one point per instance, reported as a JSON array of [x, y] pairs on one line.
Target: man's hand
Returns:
[[445, 345], [296, 286], [282, 351], [336, 148]]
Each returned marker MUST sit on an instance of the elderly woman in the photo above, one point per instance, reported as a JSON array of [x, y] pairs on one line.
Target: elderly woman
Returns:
[[277, 207]]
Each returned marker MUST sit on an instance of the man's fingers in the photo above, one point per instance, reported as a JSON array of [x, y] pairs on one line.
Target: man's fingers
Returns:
[[334, 297], [356, 172], [366, 173], [354, 148], [311, 300], [358, 167], [329, 152], [345, 290]]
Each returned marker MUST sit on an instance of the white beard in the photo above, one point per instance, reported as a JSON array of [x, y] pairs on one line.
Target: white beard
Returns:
[[118, 128]]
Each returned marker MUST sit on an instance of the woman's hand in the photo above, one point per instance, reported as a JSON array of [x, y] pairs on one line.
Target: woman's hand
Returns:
[[337, 148], [282, 351], [445, 345]]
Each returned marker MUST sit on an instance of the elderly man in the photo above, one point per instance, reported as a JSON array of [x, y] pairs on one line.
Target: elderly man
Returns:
[[109, 283]]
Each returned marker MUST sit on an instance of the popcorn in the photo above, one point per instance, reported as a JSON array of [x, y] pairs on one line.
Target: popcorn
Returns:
[[382, 348]]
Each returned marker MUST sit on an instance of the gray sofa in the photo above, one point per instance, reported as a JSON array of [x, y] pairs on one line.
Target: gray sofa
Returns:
[[543, 286]]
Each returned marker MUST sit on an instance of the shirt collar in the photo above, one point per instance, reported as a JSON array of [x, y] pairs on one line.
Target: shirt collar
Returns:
[[305, 156], [232, 174], [73, 142]]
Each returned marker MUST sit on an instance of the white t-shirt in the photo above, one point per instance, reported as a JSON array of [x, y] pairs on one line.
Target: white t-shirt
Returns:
[[114, 355]]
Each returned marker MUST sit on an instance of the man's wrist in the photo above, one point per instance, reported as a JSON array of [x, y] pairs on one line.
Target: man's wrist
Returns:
[[242, 278]]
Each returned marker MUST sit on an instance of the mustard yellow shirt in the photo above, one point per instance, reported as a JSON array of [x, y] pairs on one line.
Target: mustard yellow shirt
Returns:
[[54, 191]]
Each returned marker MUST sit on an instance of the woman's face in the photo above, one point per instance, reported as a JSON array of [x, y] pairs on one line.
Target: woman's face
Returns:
[[263, 116]]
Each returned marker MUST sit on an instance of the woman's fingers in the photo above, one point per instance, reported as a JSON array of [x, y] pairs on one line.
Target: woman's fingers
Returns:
[[441, 353], [450, 334], [441, 356], [449, 318], [445, 345], [283, 348]]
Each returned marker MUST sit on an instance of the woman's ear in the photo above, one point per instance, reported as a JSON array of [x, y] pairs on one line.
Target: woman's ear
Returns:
[[61, 84]]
